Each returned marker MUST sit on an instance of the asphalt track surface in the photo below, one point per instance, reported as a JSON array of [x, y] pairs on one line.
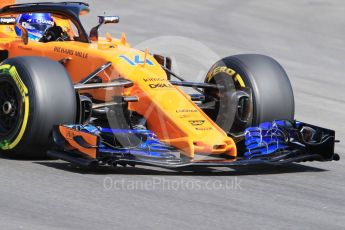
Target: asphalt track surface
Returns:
[[308, 39]]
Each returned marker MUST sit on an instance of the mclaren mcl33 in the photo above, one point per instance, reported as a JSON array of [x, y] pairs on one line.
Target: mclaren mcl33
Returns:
[[94, 101]]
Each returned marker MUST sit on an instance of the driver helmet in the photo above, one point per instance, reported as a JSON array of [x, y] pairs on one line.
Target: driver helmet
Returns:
[[35, 23]]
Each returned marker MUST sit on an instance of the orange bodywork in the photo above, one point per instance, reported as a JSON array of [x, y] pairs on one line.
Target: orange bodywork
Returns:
[[169, 111], [91, 140], [4, 3]]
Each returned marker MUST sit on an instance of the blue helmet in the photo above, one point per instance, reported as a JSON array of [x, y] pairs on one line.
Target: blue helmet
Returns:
[[35, 23]]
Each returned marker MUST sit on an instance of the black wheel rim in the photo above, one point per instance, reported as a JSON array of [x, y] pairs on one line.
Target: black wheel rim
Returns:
[[243, 97], [225, 104], [10, 108]]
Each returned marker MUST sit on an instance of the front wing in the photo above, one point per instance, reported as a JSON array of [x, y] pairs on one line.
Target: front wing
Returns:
[[276, 143]]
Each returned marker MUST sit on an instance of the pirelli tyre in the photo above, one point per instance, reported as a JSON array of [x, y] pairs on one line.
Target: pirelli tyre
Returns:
[[35, 94], [255, 89]]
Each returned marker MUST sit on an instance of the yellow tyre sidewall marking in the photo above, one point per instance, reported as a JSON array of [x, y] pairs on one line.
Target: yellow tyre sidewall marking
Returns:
[[12, 71], [239, 79], [232, 73]]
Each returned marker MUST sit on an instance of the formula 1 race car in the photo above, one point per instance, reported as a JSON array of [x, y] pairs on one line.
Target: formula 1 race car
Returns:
[[93, 101]]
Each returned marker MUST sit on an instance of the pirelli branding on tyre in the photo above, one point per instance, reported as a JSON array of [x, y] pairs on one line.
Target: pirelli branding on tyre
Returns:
[[224, 69], [14, 107]]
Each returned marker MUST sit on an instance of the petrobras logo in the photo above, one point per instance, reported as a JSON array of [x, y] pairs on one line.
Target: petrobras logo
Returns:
[[7, 21]]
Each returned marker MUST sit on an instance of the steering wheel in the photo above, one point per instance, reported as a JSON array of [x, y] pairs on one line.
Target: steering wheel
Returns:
[[54, 33]]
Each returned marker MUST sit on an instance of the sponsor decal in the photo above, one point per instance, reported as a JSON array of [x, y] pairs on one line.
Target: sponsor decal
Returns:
[[41, 21], [110, 19], [203, 128], [136, 61], [71, 52], [160, 85], [223, 69], [154, 79], [196, 122], [24, 47], [7, 21], [186, 111], [185, 116]]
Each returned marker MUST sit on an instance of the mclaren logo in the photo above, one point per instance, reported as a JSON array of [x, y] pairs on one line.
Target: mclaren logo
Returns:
[[196, 122]]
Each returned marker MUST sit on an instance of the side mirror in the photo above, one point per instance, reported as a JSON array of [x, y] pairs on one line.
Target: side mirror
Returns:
[[102, 20]]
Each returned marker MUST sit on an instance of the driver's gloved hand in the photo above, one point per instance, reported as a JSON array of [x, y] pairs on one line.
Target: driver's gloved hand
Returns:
[[53, 34]]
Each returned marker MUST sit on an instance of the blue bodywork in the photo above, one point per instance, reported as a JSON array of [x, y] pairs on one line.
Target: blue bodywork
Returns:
[[270, 139], [275, 142], [267, 139], [146, 142]]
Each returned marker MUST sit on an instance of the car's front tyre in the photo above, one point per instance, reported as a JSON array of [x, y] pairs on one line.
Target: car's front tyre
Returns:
[[256, 89], [35, 94]]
